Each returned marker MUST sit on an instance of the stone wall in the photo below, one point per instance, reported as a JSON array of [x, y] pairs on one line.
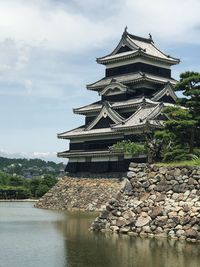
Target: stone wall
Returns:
[[80, 193], [155, 201]]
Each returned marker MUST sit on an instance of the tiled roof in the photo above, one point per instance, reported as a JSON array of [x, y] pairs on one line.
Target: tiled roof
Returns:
[[89, 108], [82, 132], [143, 115], [95, 107], [139, 45], [130, 78], [99, 153]]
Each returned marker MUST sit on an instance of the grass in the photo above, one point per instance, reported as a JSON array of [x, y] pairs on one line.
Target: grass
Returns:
[[194, 162]]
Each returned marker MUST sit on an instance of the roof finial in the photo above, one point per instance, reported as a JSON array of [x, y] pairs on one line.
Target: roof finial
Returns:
[[125, 30]]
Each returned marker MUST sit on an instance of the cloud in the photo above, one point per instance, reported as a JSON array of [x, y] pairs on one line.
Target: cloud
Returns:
[[31, 155], [75, 26], [45, 23], [172, 21], [47, 52], [43, 43]]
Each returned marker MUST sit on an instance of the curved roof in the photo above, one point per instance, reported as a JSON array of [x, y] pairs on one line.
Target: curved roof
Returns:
[[96, 107], [130, 78], [137, 46], [144, 115]]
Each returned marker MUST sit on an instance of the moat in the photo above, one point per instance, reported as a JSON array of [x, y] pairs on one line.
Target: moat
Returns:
[[34, 237]]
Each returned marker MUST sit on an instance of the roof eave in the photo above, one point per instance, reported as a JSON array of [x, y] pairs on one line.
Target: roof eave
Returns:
[[87, 134], [96, 88], [170, 60], [145, 125], [86, 111], [99, 153]]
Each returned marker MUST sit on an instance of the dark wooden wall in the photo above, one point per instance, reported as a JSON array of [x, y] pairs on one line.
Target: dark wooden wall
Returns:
[[102, 167], [135, 67]]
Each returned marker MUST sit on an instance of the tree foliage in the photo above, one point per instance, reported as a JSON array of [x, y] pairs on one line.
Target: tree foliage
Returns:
[[16, 187], [189, 85], [180, 136], [129, 147], [179, 139]]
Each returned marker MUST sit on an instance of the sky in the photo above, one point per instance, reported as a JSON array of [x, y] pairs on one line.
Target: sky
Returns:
[[48, 52]]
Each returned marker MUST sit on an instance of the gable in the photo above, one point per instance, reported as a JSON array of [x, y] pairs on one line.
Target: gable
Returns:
[[104, 123], [166, 94], [124, 48], [107, 113], [114, 88], [167, 99]]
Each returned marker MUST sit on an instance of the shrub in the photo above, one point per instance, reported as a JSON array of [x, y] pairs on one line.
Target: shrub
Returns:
[[129, 147], [14, 192]]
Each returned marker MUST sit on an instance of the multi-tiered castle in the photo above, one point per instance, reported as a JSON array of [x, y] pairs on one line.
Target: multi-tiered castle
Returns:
[[136, 86]]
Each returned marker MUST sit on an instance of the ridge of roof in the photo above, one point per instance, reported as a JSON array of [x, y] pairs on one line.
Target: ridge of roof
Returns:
[[139, 38]]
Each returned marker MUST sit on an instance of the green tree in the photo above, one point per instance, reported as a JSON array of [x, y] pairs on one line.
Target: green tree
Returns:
[[4, 178], [189, 85], [129, 147], [176, 135], [41, 190], [16, 181], [34, 184], [49, 180]]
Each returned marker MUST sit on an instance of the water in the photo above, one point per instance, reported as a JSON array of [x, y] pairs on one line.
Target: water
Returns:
[[32, 237]]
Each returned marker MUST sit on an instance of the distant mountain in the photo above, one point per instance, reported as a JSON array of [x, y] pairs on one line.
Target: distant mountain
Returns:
[[47, 156], [30, 167]]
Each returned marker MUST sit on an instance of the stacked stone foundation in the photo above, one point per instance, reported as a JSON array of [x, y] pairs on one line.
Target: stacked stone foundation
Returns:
[[155, 201], [80, 193]]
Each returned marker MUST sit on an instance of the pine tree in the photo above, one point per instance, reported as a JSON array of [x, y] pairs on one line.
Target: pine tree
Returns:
[[189, 85], [176, 135]]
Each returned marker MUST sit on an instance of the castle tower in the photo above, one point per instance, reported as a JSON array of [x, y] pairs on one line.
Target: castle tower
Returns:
[[136, 86]]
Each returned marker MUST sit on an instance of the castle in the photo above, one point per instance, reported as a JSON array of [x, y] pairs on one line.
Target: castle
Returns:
[[136, 87]]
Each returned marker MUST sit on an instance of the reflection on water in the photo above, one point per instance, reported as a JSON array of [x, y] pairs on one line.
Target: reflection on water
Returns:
[[37, 238]]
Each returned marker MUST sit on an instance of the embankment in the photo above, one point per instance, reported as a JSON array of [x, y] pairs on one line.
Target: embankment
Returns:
[[80, 193], [155, 201]]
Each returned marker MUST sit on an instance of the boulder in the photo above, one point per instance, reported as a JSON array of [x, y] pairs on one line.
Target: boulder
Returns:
[[144, 196], [104, 214], [128, 215], [176, 172], [124, 229], [161, 220], [143, 220], [192, 181], [156, 211], [160, 197], [180, 232], [121, 222], [162, 186], [191, 233], [127, 187], [114, 228]]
